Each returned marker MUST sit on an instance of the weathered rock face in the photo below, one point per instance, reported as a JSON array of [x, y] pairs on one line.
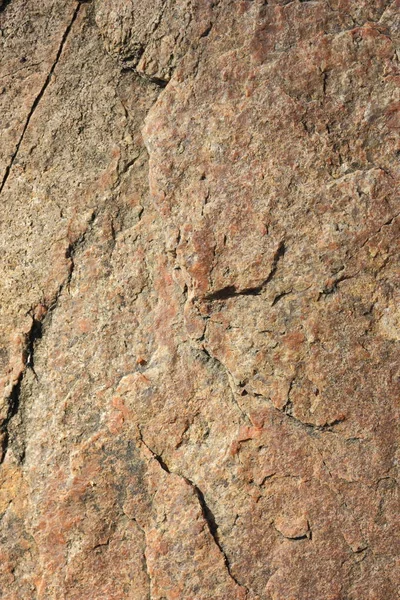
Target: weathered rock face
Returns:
[[199, 300]]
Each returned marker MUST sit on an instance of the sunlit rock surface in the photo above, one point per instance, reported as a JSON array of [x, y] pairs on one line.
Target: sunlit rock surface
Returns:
[[199, 300]]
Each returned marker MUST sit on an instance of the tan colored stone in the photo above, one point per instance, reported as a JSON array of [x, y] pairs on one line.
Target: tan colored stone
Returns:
[[199, 300]]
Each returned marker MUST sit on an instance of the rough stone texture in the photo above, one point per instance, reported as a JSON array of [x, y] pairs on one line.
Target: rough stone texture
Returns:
[[199, 300]]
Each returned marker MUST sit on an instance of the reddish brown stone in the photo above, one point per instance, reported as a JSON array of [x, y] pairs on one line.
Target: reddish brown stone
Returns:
[[199, 300]]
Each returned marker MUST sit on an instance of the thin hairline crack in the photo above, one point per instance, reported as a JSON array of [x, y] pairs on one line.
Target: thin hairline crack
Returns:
[[39, 96]]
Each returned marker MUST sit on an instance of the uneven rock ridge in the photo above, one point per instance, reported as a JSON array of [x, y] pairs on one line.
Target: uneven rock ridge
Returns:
[[199, 300]]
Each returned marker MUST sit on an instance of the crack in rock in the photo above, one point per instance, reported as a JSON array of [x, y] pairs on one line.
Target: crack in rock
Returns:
[[207, 514], [213, 529], [39, 314], [4, 4], [40, 94], [231, 291], [14, 398]]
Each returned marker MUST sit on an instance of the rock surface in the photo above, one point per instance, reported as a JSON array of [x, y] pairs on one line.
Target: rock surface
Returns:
[[200, 324]]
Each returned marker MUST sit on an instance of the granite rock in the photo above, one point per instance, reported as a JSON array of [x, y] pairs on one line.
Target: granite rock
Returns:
[[199, 300]]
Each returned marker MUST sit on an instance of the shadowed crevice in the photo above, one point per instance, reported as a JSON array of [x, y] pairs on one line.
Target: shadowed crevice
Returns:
[[230, 291], [213, 529], [4, 4]]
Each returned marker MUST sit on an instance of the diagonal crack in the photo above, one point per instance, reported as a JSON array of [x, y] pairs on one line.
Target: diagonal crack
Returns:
[[156, 456], [213, 529], [39, 96], [207, 514]]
